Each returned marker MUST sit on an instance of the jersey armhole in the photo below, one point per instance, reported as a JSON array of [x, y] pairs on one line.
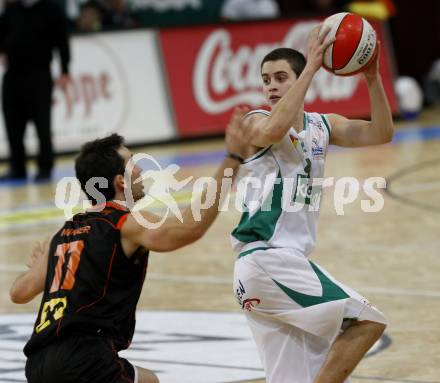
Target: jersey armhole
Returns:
[[121, 221], [327, 124], [260, 111], [261, 151]]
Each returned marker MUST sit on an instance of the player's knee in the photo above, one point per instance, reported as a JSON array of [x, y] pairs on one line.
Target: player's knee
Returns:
[[379, 328], [152, 378], [374, 329], [146, 376]]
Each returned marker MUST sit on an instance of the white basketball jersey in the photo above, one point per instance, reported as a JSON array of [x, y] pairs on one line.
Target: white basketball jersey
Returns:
[[281, 190]]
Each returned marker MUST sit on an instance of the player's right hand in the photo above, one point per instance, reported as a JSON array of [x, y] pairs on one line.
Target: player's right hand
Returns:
[[371, 72], [316, 46]]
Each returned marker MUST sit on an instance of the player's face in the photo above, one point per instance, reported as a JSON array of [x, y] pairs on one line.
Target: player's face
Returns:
[[137, 189], [277, 77]]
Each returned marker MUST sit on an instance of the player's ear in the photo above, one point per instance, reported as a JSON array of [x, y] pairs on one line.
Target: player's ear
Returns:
[[119, 182]]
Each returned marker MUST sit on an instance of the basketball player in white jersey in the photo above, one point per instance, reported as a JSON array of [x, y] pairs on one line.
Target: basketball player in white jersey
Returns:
[[308, 327]]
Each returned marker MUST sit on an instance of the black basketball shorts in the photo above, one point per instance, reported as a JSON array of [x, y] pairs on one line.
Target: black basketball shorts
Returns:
[[79, 359]]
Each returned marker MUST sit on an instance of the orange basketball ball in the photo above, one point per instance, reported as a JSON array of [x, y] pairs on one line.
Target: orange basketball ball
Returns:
[[355, 44]]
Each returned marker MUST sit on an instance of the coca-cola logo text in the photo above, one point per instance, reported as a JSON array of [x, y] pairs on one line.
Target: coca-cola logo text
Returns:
[[224, 77]]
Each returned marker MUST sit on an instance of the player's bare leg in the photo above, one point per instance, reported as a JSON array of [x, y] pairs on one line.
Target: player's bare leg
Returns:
[[348, 350], [146, 376]]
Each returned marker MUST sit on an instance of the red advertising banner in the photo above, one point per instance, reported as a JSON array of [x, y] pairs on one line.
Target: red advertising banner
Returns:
[[212, 69]]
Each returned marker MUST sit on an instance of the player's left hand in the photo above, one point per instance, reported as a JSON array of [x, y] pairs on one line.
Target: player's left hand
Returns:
[[372, 70], [238, 133], [63, 81], [38, 252]]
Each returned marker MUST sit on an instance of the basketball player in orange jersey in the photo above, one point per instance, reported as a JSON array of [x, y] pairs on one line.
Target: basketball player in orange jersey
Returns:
[[296, 310], [92, 273]]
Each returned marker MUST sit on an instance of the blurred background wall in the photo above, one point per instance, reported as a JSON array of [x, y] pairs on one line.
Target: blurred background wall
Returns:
[[163, 70]]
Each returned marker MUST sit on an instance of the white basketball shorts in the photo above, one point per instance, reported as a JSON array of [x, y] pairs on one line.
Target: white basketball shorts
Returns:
[[295, 310]]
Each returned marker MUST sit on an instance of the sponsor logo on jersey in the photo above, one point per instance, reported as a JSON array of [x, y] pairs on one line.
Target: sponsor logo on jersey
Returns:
[[317, 150], [239, 292], [250, 303], [293, 139]]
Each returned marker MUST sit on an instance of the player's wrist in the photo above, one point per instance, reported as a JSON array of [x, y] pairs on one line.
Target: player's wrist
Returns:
[[235, 157], [310, 69], [372, 79]]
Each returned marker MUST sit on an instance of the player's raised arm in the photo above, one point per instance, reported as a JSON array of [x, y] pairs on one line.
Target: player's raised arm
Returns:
[[355, 133], [31, 283], [173, 233], [277, 74]]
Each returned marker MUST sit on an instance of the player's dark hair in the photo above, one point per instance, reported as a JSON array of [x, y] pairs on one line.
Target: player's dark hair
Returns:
[[99, 158], [296, 59]]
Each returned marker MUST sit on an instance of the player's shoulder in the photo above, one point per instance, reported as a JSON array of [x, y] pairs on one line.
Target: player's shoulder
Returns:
[[140, 222], [255, 117], [319, 121], [334, 117], [264, 112], [112, 214], [131, 225]]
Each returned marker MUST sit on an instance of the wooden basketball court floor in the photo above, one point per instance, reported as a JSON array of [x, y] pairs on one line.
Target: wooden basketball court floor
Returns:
[[391, 256]]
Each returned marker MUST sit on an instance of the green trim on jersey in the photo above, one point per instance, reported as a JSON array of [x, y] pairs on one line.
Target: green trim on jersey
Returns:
[[247, 252], [263, 151], [305, 121], [330, 291], [261, 225], [257, 155], [327, 124]]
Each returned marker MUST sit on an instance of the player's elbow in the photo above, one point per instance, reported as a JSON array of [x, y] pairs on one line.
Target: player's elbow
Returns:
[[17, 296], [388, 134], [193, 235], [198, 233], [384, 135], [24, 289]]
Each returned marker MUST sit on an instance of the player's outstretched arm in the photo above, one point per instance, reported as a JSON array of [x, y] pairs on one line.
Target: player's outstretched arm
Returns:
[[31, 283], [173, 233], [270, 130], [355, 133]]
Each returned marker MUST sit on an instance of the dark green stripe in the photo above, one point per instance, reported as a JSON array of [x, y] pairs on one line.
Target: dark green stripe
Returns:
[[247, 252], [261, 154], [330, 291], [326, 124], [261, 225]]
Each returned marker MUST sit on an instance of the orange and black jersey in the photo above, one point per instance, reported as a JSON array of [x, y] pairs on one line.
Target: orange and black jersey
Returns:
[[91, 286]]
